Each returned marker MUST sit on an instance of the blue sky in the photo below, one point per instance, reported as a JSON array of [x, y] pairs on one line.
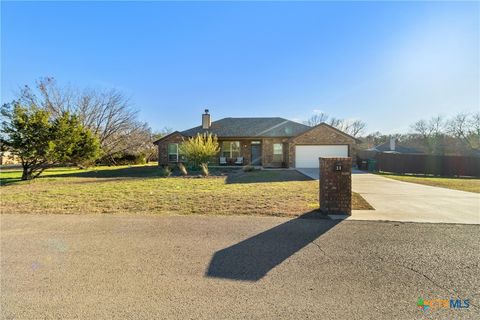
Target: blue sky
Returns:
[[388, 64]]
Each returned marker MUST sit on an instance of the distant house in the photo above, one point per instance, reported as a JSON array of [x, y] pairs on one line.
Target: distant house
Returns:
[[267, 142], [393, 146]]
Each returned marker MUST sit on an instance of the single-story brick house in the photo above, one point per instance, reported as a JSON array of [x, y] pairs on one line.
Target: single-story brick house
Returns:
[[267, 142]]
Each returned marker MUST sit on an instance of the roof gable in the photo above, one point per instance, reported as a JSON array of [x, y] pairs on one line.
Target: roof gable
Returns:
[[385, 147], [325, 126], [167, 136]]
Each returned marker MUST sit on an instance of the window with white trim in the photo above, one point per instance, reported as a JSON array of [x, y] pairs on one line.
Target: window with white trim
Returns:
[[231, 149], [278, 152], [173, 152]]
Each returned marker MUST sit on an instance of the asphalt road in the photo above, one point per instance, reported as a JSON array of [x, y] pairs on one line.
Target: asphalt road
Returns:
[[145, 267]]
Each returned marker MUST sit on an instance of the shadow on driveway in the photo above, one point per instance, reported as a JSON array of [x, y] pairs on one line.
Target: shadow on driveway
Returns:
[[253, 258]]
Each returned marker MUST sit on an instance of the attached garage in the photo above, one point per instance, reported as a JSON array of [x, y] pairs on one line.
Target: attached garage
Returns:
[[306, 156]]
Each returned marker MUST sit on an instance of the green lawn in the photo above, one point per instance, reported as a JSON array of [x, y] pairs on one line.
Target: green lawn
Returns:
[[141, 190], [464, 184]]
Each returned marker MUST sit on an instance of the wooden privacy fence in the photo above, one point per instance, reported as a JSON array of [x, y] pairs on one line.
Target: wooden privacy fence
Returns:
[[426, 164]]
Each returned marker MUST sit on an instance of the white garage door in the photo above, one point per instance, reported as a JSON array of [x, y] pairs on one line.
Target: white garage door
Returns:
[[307, 156]]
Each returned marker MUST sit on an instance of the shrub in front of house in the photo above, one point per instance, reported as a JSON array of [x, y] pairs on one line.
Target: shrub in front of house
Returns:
[[183, 169], [165, 171], [248, 168], [204, 168], [200, 149], [122, 159]]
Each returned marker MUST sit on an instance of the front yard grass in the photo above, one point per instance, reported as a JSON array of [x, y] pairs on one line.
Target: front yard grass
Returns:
[[141, 190], [463, 184]]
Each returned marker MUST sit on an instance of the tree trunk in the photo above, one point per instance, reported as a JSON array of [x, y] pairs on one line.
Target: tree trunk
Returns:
[[26, 174]]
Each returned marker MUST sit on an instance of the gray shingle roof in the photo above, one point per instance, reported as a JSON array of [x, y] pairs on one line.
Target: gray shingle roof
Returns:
[[385, 147], [251, 127]]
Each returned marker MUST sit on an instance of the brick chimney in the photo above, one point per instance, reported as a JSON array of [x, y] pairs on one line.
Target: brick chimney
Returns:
[[392, 144], [206, 121]]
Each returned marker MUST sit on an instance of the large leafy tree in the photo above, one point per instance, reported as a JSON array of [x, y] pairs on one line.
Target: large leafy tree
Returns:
[[200, 149], [41, 140]]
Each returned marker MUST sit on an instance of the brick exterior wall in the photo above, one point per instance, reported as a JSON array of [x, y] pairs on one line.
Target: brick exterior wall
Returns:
[[245, 150], [321, 134], [267, 153], [163, 148], [336, 186]]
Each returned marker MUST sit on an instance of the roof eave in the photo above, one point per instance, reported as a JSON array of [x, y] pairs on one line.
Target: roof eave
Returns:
[[331, 127], [167, 136]]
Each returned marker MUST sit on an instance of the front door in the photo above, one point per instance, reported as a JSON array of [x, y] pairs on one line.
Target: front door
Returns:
[[256, 151]]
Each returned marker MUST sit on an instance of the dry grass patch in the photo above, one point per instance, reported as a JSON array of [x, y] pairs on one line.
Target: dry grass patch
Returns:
[[463, 184], [139, 190]]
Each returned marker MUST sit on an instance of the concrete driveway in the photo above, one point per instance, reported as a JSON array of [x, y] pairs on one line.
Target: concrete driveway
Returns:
[[395, 200], [403, 201], [244, 267]]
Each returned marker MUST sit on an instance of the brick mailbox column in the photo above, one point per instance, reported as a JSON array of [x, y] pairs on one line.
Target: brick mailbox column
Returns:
[[336, 185]]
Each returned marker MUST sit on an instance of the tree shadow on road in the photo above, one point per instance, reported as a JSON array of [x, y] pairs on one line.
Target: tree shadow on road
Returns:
[[253, 258]]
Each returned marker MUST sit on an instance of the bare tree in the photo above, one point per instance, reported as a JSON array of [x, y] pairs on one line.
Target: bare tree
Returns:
[[436, 125], [316, 119], [357, 128], [475, 123], [458, 135], [351, 127], [421, 127], [50, 96], [458, 126], [432, 133], [337, 123], [466, 128], [110, 115], [354, 128]]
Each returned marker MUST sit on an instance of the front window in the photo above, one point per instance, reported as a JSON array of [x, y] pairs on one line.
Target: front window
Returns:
[[231, 149], [173, 152], [277, 152]]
